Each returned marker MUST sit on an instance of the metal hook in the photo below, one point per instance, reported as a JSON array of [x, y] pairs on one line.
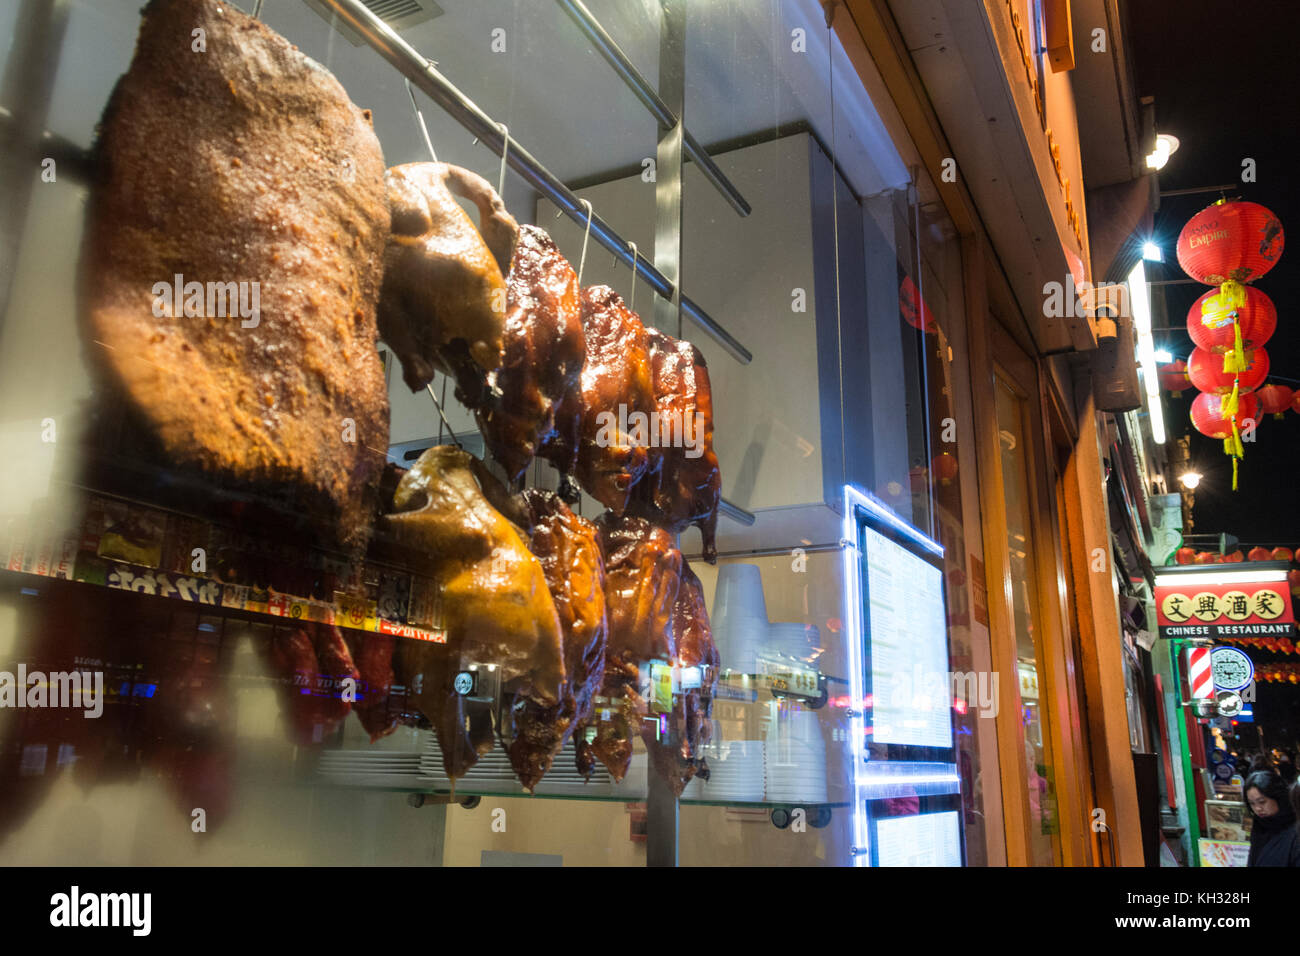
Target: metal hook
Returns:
[[632, 304], [419, 118], [585, 235], [505, 149]]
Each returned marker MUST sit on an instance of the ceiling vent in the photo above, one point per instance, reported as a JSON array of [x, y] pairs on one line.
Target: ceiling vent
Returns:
[[398, 14]]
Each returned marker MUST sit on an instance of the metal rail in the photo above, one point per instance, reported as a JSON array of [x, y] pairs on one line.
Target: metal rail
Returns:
[[639, 85], [407, 61]]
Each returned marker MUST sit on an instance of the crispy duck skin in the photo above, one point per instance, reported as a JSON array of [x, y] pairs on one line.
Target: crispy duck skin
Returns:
[[568, 548], [544, 353], [443, 301], [679, 757], [683, 485], [241, 170], [496, 607], [616, 374], [642, 577]]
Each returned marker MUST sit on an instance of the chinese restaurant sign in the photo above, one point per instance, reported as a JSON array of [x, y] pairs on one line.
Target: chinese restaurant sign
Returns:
[[1224, 610]]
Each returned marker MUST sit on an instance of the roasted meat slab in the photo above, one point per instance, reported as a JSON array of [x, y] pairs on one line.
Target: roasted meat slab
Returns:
[[683, 484], [232, 260], [545, 348], [443, 303]]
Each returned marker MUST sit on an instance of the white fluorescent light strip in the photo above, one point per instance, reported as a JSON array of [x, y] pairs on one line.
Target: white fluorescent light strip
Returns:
[[1141, 306], [912, 778], [1221, 577], [855, 498]]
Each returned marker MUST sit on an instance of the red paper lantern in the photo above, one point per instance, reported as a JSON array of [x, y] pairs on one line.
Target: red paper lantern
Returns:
[[1236, 557], [1207, 414], [1293, 579], [1274, 399], [1234, 241], [1230, 321], [1187, 556], [1282, 554], [944, 468], [1204, 557], [1258, 554], [1173, 376], [1205, 369], [1295, 402]]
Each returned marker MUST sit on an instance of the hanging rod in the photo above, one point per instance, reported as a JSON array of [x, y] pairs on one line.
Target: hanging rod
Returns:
[[403, 57], [639, 85]]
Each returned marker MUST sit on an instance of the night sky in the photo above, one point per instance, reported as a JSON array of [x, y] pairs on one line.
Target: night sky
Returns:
[[1226, 81]]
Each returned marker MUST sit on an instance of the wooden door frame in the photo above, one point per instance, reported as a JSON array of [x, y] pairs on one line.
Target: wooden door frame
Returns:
[[1023, 373]]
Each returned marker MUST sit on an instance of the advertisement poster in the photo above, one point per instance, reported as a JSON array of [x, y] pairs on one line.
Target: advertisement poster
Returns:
[[1223, 852]]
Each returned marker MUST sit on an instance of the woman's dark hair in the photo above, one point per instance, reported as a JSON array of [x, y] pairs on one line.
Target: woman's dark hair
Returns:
[[1260, 764], [1269, 784]]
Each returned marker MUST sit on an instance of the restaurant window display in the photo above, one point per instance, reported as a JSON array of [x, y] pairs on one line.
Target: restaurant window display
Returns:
[[459, 495]]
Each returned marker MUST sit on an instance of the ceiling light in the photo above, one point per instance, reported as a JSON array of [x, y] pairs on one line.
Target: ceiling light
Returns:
[[1152, 253], [1190, 479], [1166, 146], [1164, 356]]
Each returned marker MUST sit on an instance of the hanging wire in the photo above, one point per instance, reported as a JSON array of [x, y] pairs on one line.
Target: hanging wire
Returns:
[[438, 405], [257, 10], [505, 150], [835, 226], [419, 118], [585, 236], [631, 306]]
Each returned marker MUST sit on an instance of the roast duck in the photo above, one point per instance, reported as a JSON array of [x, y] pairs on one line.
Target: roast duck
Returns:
[[250, 165]]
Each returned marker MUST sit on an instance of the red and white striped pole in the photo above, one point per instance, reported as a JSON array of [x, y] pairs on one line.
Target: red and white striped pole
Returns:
[[1200, 675]]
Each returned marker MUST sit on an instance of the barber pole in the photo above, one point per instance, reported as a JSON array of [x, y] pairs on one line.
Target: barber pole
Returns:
[[1200, 675]]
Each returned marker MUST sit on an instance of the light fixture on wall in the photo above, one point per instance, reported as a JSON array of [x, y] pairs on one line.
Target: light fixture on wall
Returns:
[[1190, 479], [1152, 253], [1166, 146]]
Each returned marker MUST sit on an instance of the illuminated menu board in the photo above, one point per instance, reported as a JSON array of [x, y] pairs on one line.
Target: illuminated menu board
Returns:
[[929, 839], [911, 688]]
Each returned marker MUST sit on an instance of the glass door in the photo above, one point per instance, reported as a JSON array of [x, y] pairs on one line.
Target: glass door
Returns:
[[1033, 721]]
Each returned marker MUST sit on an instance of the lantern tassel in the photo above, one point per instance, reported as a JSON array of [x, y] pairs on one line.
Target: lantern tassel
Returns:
[[1231, 402], [1235, 361]]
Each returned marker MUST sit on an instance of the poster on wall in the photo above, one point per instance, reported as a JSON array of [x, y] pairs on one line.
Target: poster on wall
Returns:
[[1233, 609], [1223, 852]]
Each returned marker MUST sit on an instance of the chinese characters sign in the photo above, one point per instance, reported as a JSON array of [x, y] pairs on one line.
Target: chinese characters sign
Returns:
[[1224, 610]]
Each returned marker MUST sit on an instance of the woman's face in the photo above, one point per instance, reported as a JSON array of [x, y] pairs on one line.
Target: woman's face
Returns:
[[1261, 805]]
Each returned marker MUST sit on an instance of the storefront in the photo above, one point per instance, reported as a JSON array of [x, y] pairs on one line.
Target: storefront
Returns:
[[889, 660]]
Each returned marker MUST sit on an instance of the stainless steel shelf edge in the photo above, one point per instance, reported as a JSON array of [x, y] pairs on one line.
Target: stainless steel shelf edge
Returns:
[[407, 61]]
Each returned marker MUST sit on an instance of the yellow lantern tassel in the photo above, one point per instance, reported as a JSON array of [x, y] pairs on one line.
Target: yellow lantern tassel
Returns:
[[1235, 361], [1234, 473], [1230, 402], [1232, 295]]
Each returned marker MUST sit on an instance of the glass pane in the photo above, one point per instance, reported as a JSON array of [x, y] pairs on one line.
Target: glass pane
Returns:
[[1044, 843]]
